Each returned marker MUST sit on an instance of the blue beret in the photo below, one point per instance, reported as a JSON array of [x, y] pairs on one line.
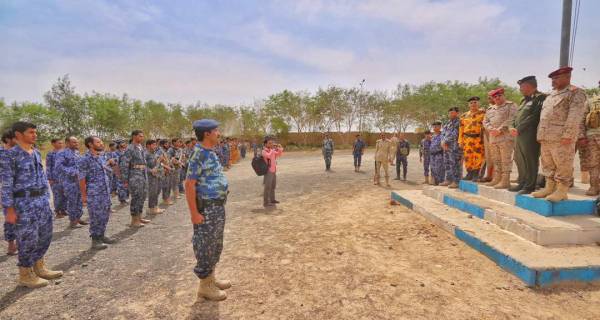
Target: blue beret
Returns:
[[205, 124]]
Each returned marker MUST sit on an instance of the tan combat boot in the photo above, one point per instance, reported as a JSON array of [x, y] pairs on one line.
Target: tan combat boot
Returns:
[[43, 272], [496, 177], [135, 222], [548, 189], [426, 181], [221, 284], [27, 278], [504, 182], [209, 291], [594, 180], [560, 193]]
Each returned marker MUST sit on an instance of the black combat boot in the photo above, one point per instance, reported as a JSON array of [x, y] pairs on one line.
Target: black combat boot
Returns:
[[97, 244]]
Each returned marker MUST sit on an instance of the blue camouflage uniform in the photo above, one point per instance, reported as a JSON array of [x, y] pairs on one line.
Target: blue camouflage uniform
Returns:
[[25, 187], [95, 172], [437, 159], [226, 154], [133, 171], [9, 228], [402, 152], [165, 178], [453, 156], [211, 192], [425, 154], [154, 178], [122, 192], [357, 151], [328, 147], [66, 169], [58, 194]]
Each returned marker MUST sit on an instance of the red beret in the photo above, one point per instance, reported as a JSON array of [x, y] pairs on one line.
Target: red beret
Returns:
[[496, 92], [560, 71]]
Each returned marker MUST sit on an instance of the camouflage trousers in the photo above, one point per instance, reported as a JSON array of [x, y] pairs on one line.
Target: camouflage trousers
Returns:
[[207, 240], [59, 198], [426, 162], [557, 161], [357, 159], [453, 165], [122, 192], [165, 186], [437, 168], [385, 165], [138, 189], [327, 157], [589, 155], [174, 181], [154, 187], [99, 211], [502, 153], [9, 232], [33, 229], [73, 197]]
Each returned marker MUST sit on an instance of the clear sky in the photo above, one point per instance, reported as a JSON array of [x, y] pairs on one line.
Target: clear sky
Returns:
[[236, 51]]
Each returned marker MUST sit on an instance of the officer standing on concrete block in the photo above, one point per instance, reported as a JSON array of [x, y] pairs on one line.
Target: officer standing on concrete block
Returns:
[[327, 150], [10, 236], [561, 126], [437, 155], [425, 156], [470, 138], [498, 119], [133, 171], [524, 129], [592, 145], [66, 169], [94, 183], [25, 197], [206, 191], [452, 151]]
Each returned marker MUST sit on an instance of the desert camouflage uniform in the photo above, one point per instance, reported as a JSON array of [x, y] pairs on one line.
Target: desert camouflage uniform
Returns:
[[501, 146]]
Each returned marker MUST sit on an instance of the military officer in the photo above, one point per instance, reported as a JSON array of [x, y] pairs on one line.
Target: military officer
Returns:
[[155, 171], [591, 158], [436, 152], [402, 152], [383, 158], [26, 199], [452, 151], [497, 121], [122, 192], [358, 149], [206, 191], [327, 150], [561, 126], [133, 171], [66, 169], [8, 141], [94, 183], [470, 138], [58, 195], [524, 129], [425, 155], [487, 171], [165, 178]]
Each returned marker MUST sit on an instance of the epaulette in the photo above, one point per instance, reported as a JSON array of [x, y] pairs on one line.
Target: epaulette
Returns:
[[573, 88]]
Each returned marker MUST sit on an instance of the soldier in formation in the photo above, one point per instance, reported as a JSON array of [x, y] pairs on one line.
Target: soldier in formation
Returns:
[[327, 149], [135, 179], [452, 151], [68, 176], [10, 236], [425, 155], [58, 194]]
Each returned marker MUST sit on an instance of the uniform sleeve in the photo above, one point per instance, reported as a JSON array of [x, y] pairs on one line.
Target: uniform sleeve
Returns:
[[124, 164], [70, 171], [510, 116], [7, 176], [576, 117], [194, 167], [50, 157], [487, 125], [82, 168]]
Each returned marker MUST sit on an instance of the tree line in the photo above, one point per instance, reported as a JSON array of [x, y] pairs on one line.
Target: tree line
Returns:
[[332, 109]]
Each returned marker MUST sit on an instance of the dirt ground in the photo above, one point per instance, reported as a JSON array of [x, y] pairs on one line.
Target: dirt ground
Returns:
[[334, 249]]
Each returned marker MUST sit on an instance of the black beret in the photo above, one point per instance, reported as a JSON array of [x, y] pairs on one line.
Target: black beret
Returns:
[[453, 109], [426, 132], [436, 123], [474, 98], [529, 79]]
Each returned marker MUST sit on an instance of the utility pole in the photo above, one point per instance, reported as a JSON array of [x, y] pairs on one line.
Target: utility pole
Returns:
[[360, 106], [565, 35]]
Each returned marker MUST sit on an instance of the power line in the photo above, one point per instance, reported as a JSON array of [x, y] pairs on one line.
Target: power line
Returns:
[[574, 34]]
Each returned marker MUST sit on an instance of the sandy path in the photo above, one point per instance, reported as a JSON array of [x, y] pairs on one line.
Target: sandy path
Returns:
[[334, 249]]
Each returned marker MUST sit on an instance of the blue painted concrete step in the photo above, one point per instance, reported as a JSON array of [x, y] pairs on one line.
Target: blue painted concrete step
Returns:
[[576, 205]]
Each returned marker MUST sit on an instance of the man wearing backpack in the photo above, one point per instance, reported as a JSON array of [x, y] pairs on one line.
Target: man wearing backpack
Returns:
[[270, 153]]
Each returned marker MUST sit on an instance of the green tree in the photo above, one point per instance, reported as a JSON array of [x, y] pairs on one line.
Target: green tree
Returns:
[[63, 99]]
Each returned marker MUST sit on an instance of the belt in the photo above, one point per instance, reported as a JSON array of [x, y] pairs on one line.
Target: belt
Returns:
[[139, 166], [29, 193], [213, 202], [472, 135]]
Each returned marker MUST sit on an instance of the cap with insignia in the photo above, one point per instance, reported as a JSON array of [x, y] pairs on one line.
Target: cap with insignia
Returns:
[[528, 79], [453, 109], [559, 71], [473, 98], [496, 92], [205, 124], [436, 123]]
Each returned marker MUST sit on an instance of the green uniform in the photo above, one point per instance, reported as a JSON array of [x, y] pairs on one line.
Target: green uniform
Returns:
[[527, 148]]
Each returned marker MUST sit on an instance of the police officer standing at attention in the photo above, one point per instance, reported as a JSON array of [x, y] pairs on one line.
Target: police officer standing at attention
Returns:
[[25, 197], [206, 191], [66, 169], [328, 147], [452, 151], [8, 141], [155, 171], [58, 194], [133, 172], [94, 183]]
